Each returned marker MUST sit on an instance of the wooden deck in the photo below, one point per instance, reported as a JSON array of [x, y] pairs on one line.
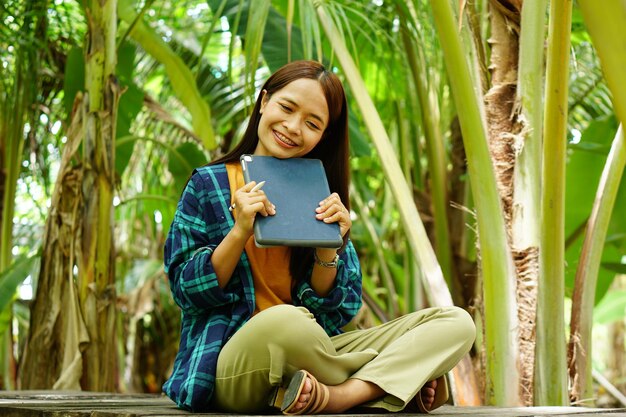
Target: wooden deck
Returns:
[[90, 404]]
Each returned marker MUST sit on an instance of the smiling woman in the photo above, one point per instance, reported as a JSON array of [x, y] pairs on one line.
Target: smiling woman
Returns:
[[263, 323]]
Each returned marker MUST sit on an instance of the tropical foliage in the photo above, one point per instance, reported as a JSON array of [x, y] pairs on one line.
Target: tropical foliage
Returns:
[[487, 171]]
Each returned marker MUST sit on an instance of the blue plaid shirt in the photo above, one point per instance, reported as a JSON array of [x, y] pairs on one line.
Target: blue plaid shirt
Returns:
[[210, 314]]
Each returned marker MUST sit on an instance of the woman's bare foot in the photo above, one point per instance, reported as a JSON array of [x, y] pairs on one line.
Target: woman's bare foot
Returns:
[[427, 393]]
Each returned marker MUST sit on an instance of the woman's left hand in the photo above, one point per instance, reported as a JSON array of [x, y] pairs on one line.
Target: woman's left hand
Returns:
[[332, 210]]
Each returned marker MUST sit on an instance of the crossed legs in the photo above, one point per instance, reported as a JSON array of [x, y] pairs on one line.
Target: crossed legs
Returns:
[[384, 367]]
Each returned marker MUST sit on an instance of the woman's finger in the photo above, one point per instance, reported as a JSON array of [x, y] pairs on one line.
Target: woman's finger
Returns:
[[248, 187], [336, 214], [259, 207], [337, 217], [330, 200], [330, 210], [325, 212], [257, 204], [251, 208]]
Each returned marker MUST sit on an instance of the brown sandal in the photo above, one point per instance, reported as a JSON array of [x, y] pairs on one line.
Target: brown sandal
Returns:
[[441, 396], [287, 398]]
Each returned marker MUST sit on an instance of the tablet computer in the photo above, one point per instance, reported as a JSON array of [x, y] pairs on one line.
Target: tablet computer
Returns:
[[295, 186]]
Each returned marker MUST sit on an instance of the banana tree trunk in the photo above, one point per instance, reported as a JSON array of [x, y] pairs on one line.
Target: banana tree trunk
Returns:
[[57, 337], [504, 132], [72, 336], [502, 374], [550, 363], [96, 256], [527, 182]]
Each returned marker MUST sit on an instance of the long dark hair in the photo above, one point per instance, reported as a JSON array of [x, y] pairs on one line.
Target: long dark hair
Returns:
[[332, 149]]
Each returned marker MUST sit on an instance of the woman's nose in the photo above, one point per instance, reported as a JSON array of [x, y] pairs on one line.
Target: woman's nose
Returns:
[[292, 124]]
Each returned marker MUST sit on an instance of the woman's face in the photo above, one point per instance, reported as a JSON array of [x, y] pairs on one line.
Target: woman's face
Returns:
[[293, 120]]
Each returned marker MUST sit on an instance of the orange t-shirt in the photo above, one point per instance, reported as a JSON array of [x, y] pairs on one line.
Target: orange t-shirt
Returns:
[[270, 266]]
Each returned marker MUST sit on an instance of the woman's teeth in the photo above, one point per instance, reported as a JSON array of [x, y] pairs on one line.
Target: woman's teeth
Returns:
[[285, 140]]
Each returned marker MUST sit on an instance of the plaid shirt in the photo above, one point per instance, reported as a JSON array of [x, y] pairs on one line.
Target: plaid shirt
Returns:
[[210, 314]]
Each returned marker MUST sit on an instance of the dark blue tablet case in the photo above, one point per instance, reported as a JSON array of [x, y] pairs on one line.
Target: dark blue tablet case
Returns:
[[295, 186]]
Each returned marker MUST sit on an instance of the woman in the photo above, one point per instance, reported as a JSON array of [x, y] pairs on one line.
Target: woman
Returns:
[[263, 324]]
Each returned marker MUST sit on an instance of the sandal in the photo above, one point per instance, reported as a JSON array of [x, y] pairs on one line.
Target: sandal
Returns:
[[287, 398], [441, 396]]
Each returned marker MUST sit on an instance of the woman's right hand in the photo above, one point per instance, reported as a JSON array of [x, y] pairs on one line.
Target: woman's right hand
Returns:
[[247, 204]]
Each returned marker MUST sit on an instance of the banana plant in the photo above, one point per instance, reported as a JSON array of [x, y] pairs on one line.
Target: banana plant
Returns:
[[587, 272], [605, 27], [499, 278], [18, 95], [550, 363], [88, 331], [525, 240]]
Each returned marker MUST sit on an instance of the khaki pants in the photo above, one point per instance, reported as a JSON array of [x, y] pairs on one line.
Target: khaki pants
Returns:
[[399, 356]]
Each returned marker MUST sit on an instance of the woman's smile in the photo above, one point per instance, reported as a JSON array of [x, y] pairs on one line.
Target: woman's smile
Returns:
[[283, 140]]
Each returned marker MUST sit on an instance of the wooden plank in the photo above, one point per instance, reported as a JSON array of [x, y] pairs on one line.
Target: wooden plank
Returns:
[[152, 412], [92, 404], [100, 410]]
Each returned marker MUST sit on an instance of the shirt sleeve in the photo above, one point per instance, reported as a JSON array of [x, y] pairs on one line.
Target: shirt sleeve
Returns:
[[193, 236], [343, 302]]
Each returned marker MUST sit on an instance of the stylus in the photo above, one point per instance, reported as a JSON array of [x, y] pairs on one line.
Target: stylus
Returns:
[[257, 187]]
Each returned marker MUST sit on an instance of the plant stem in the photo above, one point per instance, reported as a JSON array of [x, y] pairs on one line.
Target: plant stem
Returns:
[[587, 272], [96, 261], [550, 361], [497, 265]]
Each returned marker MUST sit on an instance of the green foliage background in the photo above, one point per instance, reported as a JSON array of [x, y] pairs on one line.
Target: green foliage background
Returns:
[[190, 71]]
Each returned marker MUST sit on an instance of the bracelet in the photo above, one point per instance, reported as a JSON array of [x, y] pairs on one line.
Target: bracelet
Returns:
[[331, 264]]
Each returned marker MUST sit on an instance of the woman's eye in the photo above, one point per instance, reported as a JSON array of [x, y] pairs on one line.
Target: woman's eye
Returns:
[[285, 108], [313, 126]]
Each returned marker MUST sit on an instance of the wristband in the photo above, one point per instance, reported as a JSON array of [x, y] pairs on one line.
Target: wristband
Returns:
[[331, 264]]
